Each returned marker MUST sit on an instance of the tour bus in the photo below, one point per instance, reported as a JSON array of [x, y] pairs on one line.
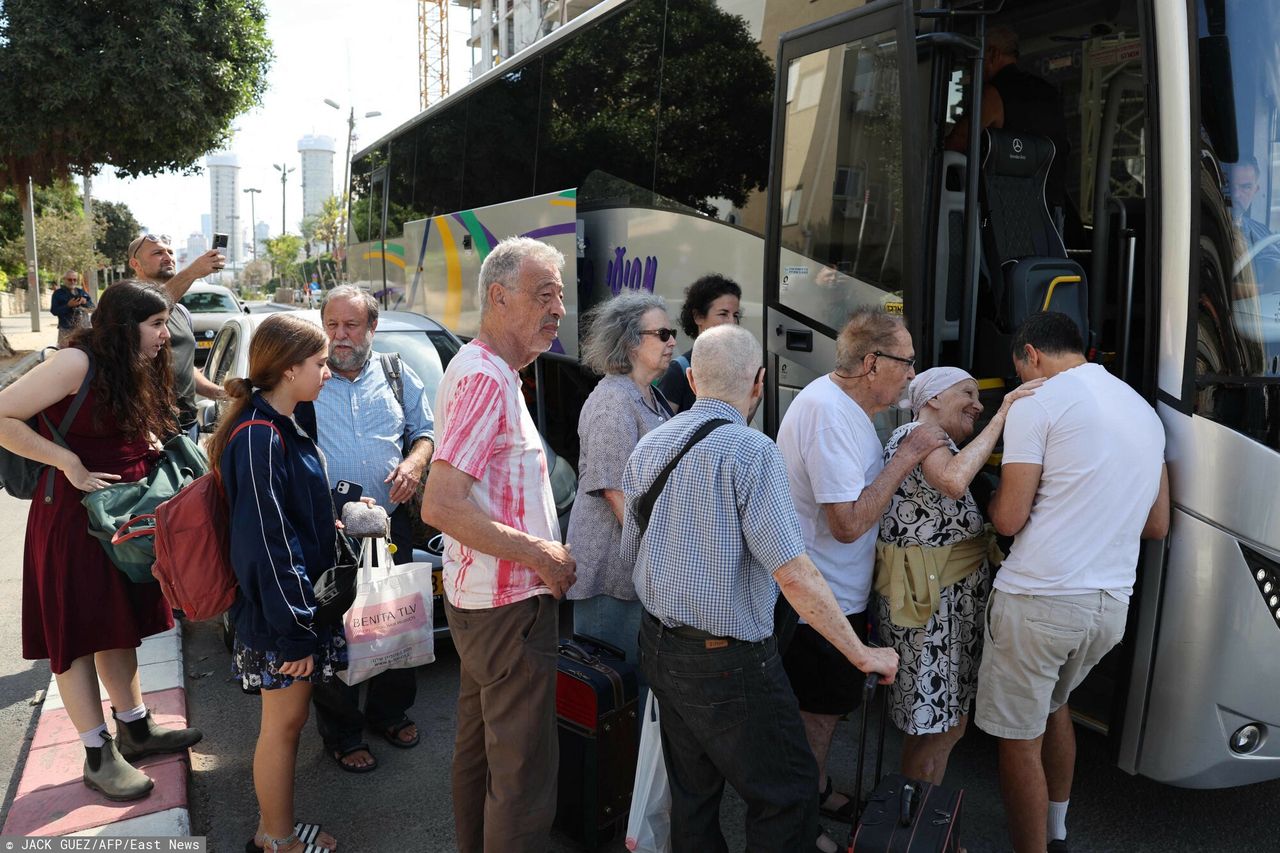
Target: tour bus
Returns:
[[810, 150]]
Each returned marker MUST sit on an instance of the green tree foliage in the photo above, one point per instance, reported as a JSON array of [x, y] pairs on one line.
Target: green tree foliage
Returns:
[[329, 227], [255, 274], [64, 242], [118, 230], [146, 86], [283, 251], [61, 196]]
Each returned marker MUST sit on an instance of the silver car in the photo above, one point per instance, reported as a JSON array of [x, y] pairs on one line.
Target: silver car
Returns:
[[210, 305]]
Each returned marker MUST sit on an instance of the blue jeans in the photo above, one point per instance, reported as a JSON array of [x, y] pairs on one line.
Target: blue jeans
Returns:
[[728, 714]]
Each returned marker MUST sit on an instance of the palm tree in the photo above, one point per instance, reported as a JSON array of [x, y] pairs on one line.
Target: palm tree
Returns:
[[328, 225]]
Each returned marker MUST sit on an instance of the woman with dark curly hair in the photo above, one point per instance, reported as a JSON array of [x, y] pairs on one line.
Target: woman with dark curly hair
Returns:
[[78, 609], [712, 300], [282, 539]]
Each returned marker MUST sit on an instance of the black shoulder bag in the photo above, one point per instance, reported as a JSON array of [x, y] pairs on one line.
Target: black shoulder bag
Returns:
[[20, 476]]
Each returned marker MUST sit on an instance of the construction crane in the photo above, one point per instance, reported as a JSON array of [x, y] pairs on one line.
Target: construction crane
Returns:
[[433, 50]]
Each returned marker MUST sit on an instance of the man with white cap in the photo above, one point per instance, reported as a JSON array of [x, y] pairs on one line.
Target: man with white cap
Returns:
[[841, 488]]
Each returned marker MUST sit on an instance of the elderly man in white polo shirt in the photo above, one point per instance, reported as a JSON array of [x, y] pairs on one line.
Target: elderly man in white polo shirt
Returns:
[[504, 566]]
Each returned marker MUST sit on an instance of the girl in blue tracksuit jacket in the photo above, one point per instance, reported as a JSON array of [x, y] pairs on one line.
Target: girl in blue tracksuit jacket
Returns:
[[282, 539]]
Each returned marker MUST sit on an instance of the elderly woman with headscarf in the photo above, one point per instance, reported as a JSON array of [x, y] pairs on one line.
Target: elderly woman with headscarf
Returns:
[[629, 340], [933, 570]]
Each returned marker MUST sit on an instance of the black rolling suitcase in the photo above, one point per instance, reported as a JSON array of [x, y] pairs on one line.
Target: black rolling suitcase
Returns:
[[901, 815], [599, 729]]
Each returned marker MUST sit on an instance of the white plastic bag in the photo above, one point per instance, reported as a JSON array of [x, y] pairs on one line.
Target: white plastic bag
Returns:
[[389, 623], [649, 827]]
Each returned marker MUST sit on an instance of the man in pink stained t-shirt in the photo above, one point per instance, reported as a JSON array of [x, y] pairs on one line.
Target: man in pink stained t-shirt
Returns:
[[504, 566]]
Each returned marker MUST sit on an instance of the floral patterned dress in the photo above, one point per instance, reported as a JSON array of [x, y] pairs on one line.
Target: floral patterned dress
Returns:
[[938, 663]]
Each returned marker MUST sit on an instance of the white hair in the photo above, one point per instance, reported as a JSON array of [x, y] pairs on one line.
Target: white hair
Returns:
[[725, 362], [502, 265]]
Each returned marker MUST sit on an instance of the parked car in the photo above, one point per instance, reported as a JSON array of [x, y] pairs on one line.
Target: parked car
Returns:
[[210, 305], [426, 347]]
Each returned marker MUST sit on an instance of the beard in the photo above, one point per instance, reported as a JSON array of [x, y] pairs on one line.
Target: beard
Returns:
[[354, 359]]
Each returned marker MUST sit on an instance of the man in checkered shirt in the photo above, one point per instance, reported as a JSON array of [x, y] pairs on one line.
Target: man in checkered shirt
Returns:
[[723, 537]]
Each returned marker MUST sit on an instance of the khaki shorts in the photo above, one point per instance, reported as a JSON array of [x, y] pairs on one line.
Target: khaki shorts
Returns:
[[1037, 649]]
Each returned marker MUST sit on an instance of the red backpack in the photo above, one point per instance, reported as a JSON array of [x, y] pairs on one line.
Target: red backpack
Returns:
[[193, 544]]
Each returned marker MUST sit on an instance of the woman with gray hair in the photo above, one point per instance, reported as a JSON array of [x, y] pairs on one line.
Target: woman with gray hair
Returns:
[[933, 570], [630, 341]]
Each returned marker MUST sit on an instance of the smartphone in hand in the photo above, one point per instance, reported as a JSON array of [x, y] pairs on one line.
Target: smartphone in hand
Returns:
[[219, 241], [344, 493]]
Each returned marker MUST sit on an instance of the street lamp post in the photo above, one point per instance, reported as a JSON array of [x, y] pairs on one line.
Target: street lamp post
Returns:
[[253, 217], [284, 178], [346, 171]]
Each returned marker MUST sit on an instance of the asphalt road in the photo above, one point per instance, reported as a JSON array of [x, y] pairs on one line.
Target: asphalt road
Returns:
[[405, 804]]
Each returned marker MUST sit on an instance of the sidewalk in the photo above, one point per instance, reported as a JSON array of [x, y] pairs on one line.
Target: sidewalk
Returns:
[[17, 330], [51, 797]]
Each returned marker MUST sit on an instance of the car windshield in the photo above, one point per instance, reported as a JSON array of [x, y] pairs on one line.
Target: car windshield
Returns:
[[210, 303], [426, 353]]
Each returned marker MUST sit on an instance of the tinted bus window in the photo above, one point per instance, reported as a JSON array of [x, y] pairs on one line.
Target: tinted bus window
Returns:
[[600, 102], [1238, 317], [439, 147], [502, 137]]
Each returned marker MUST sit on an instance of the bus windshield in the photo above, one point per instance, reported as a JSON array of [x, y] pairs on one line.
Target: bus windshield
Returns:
[[1239, 54]]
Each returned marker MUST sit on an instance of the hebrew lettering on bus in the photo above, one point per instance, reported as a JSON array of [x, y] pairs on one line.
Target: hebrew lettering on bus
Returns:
[[631, 273]]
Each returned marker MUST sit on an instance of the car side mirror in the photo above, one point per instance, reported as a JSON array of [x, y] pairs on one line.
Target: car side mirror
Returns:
[[207, 415]]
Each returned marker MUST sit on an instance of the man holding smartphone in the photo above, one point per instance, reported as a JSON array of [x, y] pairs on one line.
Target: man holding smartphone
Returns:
[[151, 259], [374, 424]]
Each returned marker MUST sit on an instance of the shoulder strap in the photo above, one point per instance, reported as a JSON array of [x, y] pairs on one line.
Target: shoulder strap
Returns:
[[260, 422], [67, 420], [391, 367], [644, 507]]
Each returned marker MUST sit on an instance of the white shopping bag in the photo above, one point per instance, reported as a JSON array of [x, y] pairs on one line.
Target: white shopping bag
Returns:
[[389, 623], [649, 828]]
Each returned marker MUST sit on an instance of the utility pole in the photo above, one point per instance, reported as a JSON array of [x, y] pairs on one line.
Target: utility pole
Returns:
[[284, 178], [253, 217], [33, 265], [92, 278]]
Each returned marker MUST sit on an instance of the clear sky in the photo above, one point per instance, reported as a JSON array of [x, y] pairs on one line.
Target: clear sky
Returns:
[[351, 51]]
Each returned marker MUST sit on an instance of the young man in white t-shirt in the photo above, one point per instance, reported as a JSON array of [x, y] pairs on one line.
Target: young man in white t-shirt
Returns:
[[504, 566], [1082, 481], [841, 488]]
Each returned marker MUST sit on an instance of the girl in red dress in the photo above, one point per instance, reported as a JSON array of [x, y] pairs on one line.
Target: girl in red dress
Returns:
[[78, 610]]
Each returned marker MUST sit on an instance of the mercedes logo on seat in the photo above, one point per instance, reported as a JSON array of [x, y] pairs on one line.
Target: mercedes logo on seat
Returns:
[[1017, 145]]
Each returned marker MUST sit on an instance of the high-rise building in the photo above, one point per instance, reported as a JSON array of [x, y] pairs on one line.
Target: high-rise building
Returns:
[[260, 233], [206, 228], [196, 245], [317, 172], [502, 28], [224, 203]]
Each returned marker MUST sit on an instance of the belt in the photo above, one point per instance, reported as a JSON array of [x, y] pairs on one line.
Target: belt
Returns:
[[713, 641]]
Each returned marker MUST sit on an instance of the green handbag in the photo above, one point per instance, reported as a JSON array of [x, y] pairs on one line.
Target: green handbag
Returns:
[[121, 506]]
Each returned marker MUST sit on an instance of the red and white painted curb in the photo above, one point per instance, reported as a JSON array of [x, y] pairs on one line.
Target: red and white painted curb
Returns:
[[52, 799]]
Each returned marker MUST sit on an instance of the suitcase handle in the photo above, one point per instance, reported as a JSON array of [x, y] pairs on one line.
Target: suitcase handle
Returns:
[[906, 803], [572, 650], [868, 694]]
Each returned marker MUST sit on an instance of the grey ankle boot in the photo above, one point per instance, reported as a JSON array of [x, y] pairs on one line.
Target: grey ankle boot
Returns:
[[141, 738], [106, 772]]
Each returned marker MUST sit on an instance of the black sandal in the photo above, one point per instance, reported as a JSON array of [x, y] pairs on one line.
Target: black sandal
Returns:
[[305, 833], [338, 754], [843, 813], [392, 735]]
